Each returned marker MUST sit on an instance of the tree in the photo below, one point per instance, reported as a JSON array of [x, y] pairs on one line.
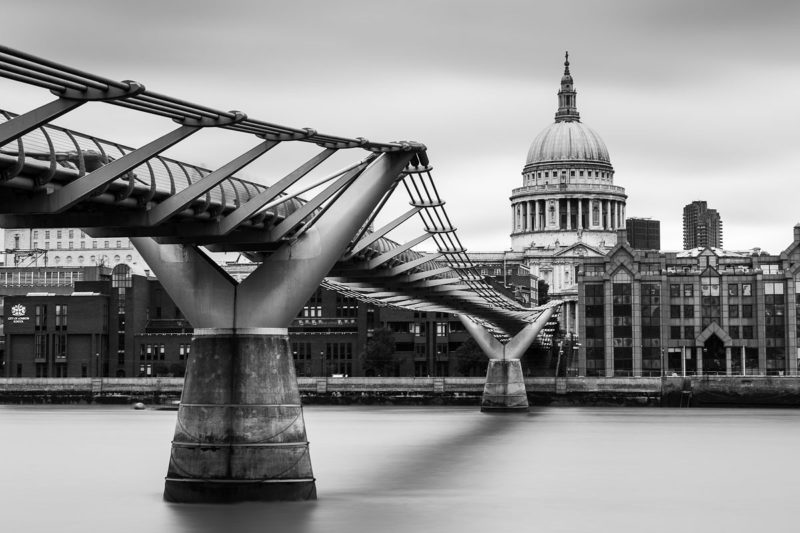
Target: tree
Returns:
[[470, 359], [543, 289], [378, 355]]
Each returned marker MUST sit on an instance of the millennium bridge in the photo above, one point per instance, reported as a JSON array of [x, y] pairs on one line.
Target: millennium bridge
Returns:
[[240, 433]]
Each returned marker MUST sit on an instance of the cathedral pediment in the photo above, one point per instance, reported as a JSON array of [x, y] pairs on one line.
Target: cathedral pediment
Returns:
[[579, 250]]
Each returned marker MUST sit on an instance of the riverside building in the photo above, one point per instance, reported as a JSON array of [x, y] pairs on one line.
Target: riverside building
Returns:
[[704, 311]]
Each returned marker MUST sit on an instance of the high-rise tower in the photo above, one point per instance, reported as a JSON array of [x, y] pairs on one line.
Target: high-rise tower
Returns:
[[701, 226]]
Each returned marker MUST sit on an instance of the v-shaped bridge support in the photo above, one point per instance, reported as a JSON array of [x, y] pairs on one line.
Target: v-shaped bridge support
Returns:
[[504, 389], [240, 433]]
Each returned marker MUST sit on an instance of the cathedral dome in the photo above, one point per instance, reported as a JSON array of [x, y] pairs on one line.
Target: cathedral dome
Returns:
[[567, 141]]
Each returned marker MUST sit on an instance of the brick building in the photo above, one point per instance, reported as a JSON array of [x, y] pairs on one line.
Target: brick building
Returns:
[[121, 324]]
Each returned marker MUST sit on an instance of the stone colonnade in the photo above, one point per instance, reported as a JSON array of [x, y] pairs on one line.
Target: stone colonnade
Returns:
[[568, 214]]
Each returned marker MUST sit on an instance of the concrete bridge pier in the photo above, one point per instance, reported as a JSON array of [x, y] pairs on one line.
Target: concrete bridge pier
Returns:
[[240, 433], [504, 390]]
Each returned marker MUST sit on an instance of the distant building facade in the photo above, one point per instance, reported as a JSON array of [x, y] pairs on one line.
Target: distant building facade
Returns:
[[67, 247], [697, 312], [643, 233], [701, 226]]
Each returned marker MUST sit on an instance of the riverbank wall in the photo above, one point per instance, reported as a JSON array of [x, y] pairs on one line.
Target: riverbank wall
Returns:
[[695, 391]]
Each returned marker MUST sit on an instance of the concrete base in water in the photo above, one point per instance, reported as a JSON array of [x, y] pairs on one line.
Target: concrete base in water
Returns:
[[240, 434], [505, 387]]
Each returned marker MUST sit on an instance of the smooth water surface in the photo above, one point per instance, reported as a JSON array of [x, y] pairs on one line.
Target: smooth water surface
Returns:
[[423, 469]]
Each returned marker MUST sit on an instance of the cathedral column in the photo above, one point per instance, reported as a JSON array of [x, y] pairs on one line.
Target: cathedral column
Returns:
[[536, 223], [580, 213], [524, 206], [528, 216], [569, 213], [558, 214], [513, 217]]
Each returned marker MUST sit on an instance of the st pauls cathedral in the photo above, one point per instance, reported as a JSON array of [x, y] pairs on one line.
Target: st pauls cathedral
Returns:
[[567, 208]]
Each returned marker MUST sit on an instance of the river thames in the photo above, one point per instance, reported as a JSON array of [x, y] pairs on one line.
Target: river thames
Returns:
[[431, 469]]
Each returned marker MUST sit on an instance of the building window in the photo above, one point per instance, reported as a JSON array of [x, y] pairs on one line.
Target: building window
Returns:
[[733, 289], [674, 311], [339, 358], [747, 332], [675, 291], [61, 317], [40, 348], [441, 329], [747, 289], [622, 332], [40, 318], [346, 306], [688, 332], [183, 351], [747, 311], [688, 311], [675, 332], [688, 290], [60, 347], [162, 352], [313, 308], [733, 311], [301, 352]]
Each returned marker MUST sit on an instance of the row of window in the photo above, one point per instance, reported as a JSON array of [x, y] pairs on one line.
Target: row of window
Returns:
[[158, 352], [733, 311], [40, 278], [597, 173], [40, 317], [71, 245], [710, 287]]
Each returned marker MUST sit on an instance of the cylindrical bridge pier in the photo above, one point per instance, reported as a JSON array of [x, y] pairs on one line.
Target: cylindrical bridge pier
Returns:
[[240, 433]]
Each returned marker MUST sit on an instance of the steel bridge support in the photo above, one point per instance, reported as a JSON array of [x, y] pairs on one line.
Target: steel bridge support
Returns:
[[504, 389], [240, 433]]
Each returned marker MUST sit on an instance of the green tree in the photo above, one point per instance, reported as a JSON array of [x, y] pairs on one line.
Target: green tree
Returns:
[[378, 355], [470, 359]]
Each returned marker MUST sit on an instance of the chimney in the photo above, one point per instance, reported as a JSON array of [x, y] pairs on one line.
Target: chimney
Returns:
[[797, 232]]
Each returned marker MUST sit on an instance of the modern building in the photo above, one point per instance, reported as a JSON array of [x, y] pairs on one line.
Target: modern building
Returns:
[[643, 233], [567, 209], [696, 312], [701, 226]]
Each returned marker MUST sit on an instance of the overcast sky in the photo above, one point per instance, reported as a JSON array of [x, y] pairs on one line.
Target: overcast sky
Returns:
[[695, 100]]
